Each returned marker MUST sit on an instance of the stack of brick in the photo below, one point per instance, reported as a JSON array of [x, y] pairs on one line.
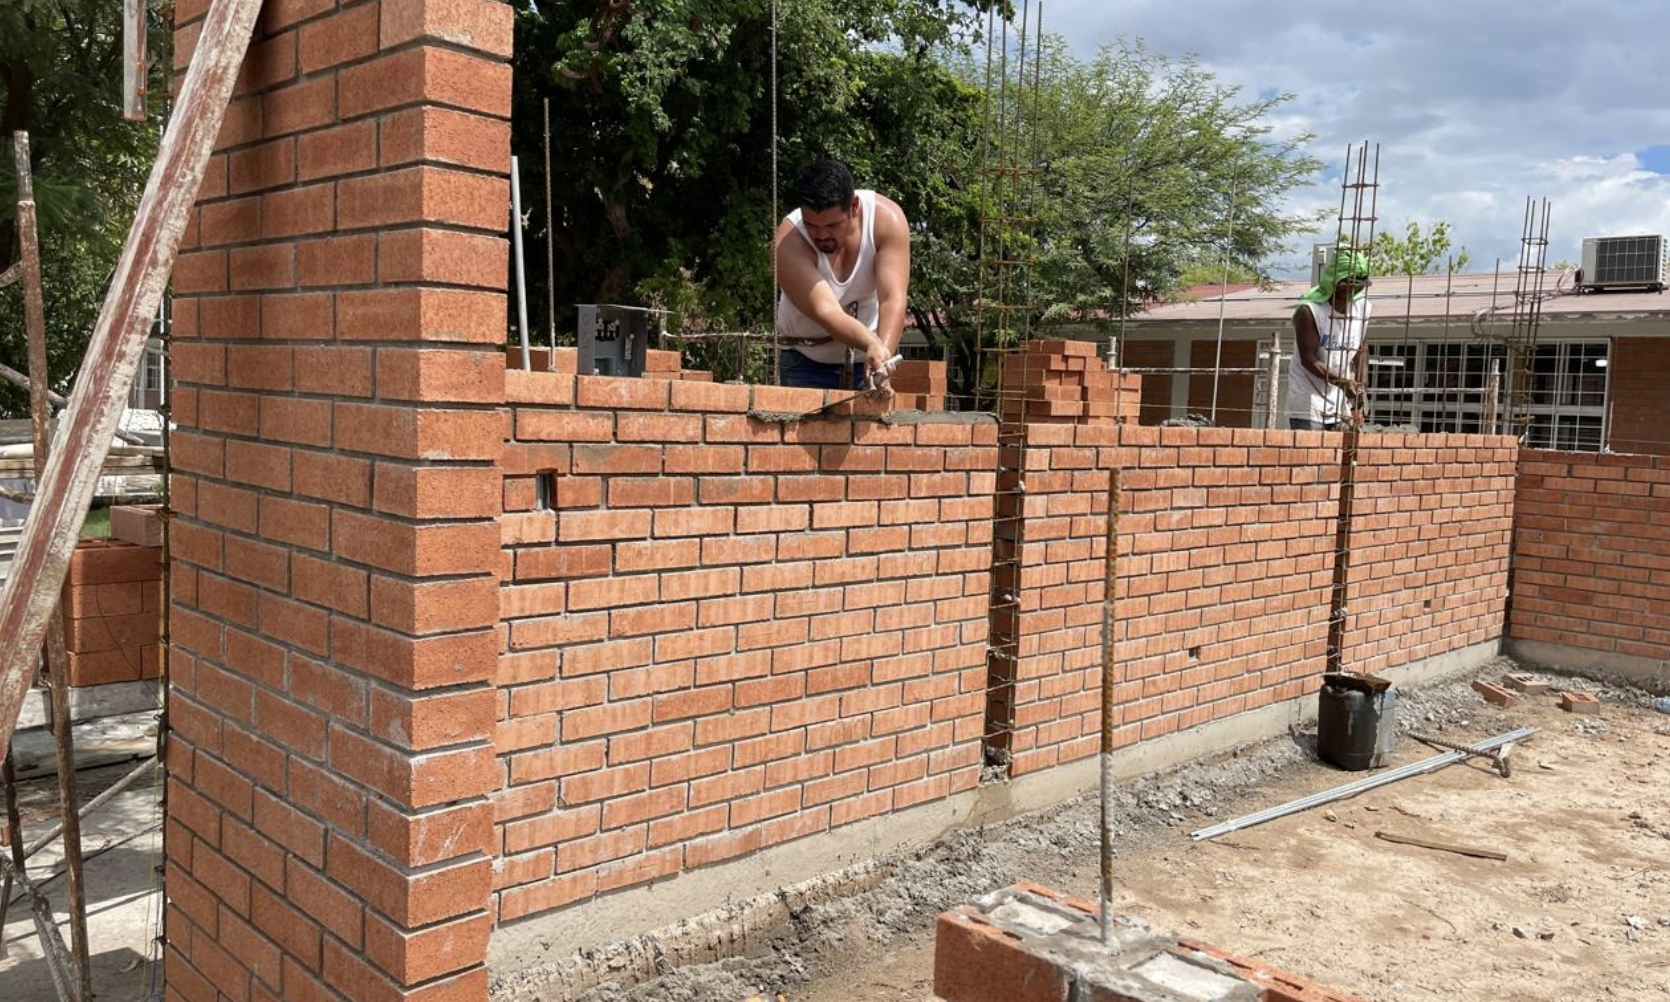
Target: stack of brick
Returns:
[[112, 607], [919, 385], [724, 633], [658, 364], [1592, 553], [1063, 382], [1431, 528]]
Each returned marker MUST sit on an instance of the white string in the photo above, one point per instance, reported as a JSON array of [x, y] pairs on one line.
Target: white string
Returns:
[[776, 212]]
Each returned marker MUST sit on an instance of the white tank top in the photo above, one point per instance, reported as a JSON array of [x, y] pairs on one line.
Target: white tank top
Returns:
[[1342, 336], [857, 295]]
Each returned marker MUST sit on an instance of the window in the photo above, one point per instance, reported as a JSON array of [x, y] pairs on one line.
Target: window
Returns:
[[1442, 387], [148, 385]]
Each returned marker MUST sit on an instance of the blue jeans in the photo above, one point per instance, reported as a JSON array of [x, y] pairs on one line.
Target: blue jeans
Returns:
[[798, 370]]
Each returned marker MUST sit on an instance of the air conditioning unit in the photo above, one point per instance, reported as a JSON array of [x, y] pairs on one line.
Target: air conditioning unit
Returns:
[[1623, 262], [1320, 255]]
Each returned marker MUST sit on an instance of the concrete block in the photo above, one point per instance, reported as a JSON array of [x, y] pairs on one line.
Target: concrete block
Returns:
[[1579, 702], [1526, 683], [1494, 693], [1027, 943]]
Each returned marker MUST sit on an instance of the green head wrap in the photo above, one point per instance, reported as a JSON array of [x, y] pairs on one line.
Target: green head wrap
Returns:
[[1345, 263]]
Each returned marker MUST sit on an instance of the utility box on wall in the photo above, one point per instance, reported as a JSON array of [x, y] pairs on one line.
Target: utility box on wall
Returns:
[[614, 340]]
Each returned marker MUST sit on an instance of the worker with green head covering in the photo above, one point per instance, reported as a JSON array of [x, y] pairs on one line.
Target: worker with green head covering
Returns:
[[1325, 374]]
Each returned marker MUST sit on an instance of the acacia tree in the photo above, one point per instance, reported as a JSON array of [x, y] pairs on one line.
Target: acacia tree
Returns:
[[1147, 166], [61, 80]]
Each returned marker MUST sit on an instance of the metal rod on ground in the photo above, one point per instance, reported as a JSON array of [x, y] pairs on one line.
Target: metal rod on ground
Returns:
[[521, 269], [92, 805], [19, 380], [116, 348], [1375, 781], [57, 657], [1110, 619], [1499, 758]]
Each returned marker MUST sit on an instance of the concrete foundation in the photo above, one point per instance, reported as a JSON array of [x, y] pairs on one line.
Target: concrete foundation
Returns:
[[1652, 674], [625, 937]]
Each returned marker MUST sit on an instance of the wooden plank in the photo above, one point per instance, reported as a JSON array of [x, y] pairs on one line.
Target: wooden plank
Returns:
[[117, 346], [134, 77], [1460, 850]]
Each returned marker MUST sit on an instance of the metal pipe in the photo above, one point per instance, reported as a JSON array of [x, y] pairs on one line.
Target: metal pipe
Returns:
[[92, 805], [550, 239], [521, 270], [57, 656], [1110, 619], [1363, 785]]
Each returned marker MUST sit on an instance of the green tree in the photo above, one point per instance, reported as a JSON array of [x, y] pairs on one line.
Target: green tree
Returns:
[[1418, 252], [662, 131], [1149, 167], [61, 81]]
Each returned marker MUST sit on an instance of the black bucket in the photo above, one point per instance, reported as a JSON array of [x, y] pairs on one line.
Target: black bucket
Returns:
[[1356, 721]]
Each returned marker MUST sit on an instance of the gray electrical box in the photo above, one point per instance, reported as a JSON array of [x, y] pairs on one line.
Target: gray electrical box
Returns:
[[614, 340]]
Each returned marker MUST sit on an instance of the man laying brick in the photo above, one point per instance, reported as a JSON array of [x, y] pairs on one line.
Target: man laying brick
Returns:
[[1324, 376], [836, 232]]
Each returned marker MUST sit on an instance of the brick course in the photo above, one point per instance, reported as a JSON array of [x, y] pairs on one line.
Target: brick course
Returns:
[[1592, 552], [721, 632]]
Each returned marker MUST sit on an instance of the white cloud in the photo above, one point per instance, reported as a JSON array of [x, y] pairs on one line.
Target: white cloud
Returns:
[[1476, 105]]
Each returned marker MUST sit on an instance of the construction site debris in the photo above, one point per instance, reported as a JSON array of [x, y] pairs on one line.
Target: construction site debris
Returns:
[[1363, 785], [1460, 850]]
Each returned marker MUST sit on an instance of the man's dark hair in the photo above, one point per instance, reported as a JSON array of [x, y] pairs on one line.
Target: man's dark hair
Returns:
[[826, 184]]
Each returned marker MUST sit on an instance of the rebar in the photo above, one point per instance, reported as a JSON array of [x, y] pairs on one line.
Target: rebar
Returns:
[[1363, 785], [1110, 620]]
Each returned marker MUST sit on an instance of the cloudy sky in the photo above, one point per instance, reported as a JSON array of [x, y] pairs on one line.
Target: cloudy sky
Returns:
[[1476, 104]]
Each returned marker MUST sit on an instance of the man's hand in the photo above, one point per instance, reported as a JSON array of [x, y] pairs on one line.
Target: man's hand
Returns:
[[1352, 388], [878, 361]]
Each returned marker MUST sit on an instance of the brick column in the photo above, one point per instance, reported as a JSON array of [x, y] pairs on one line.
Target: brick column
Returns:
[[339, 380]]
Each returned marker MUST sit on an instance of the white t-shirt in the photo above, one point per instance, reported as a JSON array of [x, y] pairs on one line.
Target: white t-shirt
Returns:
[[1308, 398], [857, 295]]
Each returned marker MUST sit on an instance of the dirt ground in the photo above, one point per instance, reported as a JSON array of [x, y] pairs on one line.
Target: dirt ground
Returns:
[[1579, 911]]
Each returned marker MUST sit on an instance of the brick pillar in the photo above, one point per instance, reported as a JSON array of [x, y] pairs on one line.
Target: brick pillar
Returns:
[[339, 378]]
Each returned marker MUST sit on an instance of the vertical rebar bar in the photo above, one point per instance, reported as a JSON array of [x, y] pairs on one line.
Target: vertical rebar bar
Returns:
[[1110, 619], [550, 241], [57, 657], [521, 268]]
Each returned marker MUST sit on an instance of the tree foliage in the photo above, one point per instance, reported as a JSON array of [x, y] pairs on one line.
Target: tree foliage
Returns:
[[61, 81], [1418, 252]]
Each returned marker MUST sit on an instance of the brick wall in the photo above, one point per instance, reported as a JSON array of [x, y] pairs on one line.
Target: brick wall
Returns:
[[1592, 552], [339, 370], [1431, 530], [721, 632], [113, 612], [1638, 422], [1226, 562], [1225, 538]]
